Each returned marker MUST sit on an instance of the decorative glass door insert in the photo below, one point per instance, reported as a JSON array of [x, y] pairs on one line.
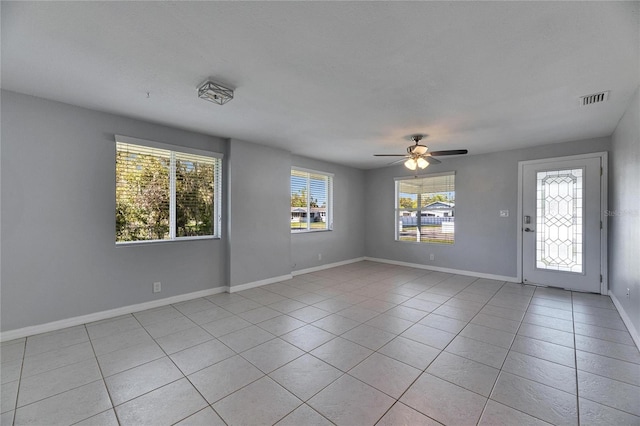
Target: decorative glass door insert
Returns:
[[559, 208]]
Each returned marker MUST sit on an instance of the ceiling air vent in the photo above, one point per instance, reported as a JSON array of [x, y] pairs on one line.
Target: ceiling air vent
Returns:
[[595, 98]]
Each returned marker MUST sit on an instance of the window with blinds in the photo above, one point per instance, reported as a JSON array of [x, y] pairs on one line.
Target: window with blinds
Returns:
[[311, 200], [165, 194], [425, 208]]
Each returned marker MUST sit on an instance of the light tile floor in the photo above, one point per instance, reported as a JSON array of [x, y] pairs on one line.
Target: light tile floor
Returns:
[[360, 344]]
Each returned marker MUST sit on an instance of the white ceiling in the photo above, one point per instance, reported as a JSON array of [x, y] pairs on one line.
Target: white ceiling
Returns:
[[338, 81]]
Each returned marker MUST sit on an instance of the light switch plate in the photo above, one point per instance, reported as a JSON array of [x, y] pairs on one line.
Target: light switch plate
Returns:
[[504, 213]]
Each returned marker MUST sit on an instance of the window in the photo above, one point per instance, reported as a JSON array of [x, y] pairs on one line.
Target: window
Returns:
[[165, 194], [425, 208], [311, 200]]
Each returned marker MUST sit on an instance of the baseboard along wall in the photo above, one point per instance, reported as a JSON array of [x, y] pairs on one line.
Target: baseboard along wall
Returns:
[[111, 313]]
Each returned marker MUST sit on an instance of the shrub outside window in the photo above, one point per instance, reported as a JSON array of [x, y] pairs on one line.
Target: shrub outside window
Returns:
[[164, 192]]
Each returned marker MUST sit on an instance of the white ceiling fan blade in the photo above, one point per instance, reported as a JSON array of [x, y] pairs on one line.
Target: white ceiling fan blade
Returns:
[[398, 161]]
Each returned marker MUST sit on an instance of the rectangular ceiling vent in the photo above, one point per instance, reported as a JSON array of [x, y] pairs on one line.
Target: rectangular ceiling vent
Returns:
[[595, 98]]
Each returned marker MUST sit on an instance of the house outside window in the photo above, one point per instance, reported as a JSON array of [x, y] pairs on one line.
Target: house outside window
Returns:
[[425, 209], [166, 192], [311, 200]]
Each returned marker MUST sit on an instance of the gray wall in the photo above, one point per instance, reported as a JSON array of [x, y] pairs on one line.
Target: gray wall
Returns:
[[346, 241], [258, 211], [624, 204], [485, 184], [59, 257]]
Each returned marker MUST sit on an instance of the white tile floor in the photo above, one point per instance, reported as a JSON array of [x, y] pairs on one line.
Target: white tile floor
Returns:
[[360, 344]]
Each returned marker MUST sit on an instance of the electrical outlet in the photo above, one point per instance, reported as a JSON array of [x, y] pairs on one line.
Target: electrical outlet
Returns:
[[157, 287], [432, 256], [504, 213], [628, 293], [319, 256]]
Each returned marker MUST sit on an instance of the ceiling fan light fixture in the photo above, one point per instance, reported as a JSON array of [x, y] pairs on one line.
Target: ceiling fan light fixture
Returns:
[[214, 92], [419, 149], [417, 155], [411, 164]]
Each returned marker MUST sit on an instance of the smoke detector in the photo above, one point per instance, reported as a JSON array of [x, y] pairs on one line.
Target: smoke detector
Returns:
[[595, 98]]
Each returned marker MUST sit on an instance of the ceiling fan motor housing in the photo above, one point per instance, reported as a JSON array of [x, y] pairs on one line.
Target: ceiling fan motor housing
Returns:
[[417, 149]]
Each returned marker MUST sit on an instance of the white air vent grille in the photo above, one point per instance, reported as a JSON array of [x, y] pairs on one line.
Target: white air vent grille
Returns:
[[594, 98]]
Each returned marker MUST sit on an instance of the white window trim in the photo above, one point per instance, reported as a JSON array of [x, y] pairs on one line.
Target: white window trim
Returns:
[[397, 207], [428, 175], [217, 216], [329, 199], [166, 146]]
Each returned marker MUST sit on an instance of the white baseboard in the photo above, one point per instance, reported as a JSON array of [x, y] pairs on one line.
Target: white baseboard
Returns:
[[625, 318], [247, 286], [98, 316], [254, 284], [448, 270], [327, 266]]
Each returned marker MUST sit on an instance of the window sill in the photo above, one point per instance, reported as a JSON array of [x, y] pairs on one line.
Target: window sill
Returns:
[[150, 242], [425, 243], [310, 231]]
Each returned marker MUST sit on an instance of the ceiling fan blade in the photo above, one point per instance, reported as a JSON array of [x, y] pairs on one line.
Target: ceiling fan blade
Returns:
[[432, 160], [450, 152], [396, 162], [389, 155]]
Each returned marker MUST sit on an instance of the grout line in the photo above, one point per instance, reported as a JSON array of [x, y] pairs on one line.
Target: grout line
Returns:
[[173, 362], [15, 406], [199, 411], [436, 357], [97, 414], [104, 383], [575, 360], [319, 413], [500, 370]]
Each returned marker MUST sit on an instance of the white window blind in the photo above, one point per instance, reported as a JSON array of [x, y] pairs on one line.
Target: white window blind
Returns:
[[195, 190], [425, 209], [162, 194], [311, 200]]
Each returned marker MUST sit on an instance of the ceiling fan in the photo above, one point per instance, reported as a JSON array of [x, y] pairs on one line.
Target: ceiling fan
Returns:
[[418, 156]]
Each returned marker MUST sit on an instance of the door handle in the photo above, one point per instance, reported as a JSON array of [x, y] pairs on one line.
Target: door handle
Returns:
[[529, 230]]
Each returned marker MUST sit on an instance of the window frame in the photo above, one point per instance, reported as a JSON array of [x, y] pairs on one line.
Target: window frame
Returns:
[[217, 190], [418, 209], [329, 211]]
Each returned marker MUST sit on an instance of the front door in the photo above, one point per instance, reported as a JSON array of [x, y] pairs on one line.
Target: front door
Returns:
[[561, 223]]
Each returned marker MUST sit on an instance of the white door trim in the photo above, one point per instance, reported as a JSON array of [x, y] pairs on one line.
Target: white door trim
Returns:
[[604, 178]]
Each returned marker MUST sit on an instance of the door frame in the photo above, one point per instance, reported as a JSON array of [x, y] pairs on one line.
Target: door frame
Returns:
[[604, 178]]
